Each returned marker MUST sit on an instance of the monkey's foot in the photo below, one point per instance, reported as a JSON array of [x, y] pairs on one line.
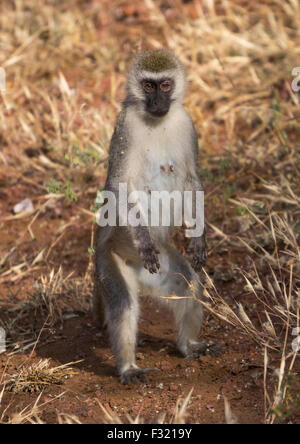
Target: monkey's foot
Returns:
[[198, 349], [135, 375]]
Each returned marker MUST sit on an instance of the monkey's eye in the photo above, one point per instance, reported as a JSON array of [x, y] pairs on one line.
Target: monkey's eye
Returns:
[[166, 86], [148, 87]]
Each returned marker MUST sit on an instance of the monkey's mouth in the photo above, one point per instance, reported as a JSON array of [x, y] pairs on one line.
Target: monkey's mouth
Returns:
[[158, 113], [157, 108]]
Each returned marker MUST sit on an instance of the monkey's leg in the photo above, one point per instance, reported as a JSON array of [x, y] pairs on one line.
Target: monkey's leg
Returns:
[[189, 316], [177, 278], [118, 285], [188, 311]]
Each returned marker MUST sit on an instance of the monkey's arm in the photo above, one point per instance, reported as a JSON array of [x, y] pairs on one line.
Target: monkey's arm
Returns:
[[198, 246], [146, 248], [118, 173]]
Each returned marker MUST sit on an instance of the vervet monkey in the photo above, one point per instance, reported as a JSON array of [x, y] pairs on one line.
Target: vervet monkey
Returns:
[[153, 147]]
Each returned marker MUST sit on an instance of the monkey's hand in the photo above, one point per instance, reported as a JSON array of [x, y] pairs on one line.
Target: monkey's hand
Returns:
[[149, 257], [198, 248]]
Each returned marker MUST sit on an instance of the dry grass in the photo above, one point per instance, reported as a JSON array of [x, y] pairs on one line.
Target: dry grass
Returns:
[[65, 72], [178, 417], [31, 414], [54, 296], [35, 377]]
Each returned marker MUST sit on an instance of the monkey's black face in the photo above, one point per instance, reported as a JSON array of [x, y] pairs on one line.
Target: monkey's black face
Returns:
[[158, 96]]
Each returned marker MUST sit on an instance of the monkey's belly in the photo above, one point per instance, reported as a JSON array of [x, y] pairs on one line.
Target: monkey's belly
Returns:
[[165, 190]]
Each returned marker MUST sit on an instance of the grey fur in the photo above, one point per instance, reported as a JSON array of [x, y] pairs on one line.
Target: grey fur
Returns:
[[131, 261]]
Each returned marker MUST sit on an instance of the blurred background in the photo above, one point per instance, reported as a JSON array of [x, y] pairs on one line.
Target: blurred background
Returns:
[[65, 63]]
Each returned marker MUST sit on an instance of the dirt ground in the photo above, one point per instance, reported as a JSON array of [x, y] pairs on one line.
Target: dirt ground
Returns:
[[237, 374], [46, 260], [234, 375]]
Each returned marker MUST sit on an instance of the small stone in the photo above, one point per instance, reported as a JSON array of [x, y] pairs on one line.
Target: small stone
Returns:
[[165, 365], [25, 206]]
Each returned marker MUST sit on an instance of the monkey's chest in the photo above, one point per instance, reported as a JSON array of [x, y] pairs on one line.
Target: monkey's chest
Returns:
[[160, 163], [162, 172], [161, 176]]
